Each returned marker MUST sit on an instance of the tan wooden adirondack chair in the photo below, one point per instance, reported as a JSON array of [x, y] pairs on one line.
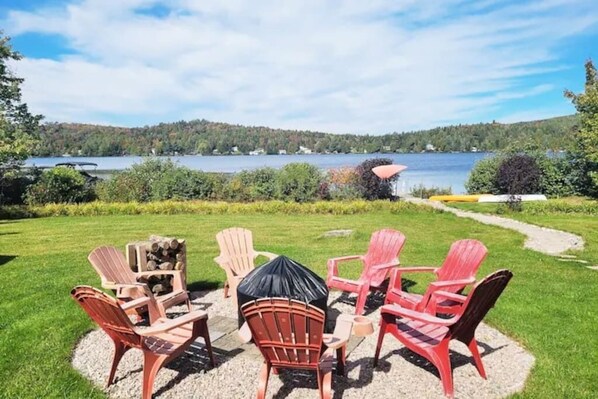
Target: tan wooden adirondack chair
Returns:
[[116, 275], [165, 340], [237, 257]]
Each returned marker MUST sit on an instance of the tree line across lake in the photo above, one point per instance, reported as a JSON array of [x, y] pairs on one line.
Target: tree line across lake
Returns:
[[207, 138]]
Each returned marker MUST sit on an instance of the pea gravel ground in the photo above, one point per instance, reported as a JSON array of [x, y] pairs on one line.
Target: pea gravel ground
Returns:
[[400, 374]]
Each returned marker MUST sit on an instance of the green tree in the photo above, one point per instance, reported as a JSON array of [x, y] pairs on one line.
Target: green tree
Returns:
[[586, 143], [18, 127]]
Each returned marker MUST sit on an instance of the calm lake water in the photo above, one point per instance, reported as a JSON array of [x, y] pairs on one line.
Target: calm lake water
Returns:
[[430, 169]]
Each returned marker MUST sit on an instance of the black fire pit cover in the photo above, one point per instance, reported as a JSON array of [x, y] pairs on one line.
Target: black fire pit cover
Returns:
[[283, 278]]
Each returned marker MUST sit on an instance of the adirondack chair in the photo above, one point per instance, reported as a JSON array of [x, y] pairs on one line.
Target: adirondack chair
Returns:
[[383, 255], [165, 340], [429, 336], [237, 257], [290, 334], [116, 275], [458, 271]]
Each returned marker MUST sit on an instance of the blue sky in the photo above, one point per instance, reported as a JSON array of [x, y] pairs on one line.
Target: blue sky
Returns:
[[338, 66]]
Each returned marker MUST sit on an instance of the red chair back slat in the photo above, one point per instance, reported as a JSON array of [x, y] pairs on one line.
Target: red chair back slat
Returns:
[[385, 246], [104, 310], [288, 333], [462, 261]]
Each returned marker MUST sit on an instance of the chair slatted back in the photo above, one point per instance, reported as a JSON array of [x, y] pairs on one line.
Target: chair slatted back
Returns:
[[236, 245], [480, 300], [462, 261], [111, 265], [287, 332], [104, 310], [385, 246]]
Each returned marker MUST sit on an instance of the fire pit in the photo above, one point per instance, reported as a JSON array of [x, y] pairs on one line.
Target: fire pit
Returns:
[[283, 278]]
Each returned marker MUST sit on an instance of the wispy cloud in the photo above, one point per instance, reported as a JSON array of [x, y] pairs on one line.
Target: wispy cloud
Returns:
[[346, 66]]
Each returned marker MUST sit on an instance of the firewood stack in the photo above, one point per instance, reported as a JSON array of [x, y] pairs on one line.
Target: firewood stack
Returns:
[[158, 253]]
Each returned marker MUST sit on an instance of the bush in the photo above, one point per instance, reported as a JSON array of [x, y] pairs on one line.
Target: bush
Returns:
[[483, 177], [519, 174], [342, 184], [157, 180], [59, 185], [422, 191], [299, 182], [370, 185], [557, 176], [14, 184], [261, 183]]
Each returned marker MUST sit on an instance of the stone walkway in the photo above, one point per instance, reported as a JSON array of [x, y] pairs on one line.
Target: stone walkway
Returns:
[[541, 239]]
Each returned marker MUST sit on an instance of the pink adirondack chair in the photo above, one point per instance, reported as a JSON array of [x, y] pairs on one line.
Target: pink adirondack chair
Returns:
[[116, 275], [429, 336], [237, 257], [457, 272], [290, 334], [165, 340], [383, 255]]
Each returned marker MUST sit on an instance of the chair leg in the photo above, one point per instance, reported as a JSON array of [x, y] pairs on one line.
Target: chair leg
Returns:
[[381, 334], [263, 384], [119, 350], [325, 383], [341, 360], [473, 347], [440, 358], [188, 302], [226, 289], [360, 304], [205, 333], [152, 363]]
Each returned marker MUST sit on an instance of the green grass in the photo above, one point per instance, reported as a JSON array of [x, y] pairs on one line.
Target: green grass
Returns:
[[549, 306]]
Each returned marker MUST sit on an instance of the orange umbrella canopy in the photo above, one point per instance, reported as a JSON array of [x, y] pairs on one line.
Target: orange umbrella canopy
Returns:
[[388, 171]]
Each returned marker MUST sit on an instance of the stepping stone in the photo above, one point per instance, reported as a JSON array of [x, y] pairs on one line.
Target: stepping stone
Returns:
[[567, 256], [593, 267], [337, 233]]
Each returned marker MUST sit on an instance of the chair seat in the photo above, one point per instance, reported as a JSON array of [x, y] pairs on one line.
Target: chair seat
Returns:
[[420, 334], [172, 298]]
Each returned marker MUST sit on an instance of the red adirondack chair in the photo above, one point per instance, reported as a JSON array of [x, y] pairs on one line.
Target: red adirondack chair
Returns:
[[457, 272], [290, 334], [116, 275], [165, 340], [383, 255], [429, 336]]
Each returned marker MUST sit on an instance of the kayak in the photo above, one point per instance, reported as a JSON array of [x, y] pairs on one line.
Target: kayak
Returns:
[[506, 198], [459, 198]]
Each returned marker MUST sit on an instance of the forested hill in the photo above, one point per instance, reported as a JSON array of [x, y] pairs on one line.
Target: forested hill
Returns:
[[204, 137]]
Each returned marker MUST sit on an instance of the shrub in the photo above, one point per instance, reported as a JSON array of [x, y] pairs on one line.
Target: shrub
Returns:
[[519, 174], [261, 183], [557, 176], [483, 177], [299, 182], [343, 184], [156, 180], [59, 185], [14, 184], [370, 185], [422, 191]]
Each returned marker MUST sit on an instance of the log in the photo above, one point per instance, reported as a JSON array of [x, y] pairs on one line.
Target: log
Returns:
[[158, 289], [166, 266], [151, 256], [180, 256], [151, 265], [179, 266]]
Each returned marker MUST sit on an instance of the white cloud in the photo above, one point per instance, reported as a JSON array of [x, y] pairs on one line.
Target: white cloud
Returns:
[[347, 66]]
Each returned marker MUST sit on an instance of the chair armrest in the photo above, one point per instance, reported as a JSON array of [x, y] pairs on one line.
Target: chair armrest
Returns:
[[417, 269], [125, 290], [333, 264], [452, 283], [170, 324], [449, 295], [136, 303], [396, 275], [268, 255], [342, 332], [397, 310], [389, 265]]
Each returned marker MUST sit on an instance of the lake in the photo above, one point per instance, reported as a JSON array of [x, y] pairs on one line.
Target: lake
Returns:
[[429, 169]]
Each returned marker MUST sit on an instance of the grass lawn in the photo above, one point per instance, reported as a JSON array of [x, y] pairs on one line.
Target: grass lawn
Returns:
[[549, 306]]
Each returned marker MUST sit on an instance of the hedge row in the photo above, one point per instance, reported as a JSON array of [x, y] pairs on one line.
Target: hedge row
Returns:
[[98, 208]]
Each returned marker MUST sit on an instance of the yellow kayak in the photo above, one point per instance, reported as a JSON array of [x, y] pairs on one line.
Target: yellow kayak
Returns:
[[458, 198]]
